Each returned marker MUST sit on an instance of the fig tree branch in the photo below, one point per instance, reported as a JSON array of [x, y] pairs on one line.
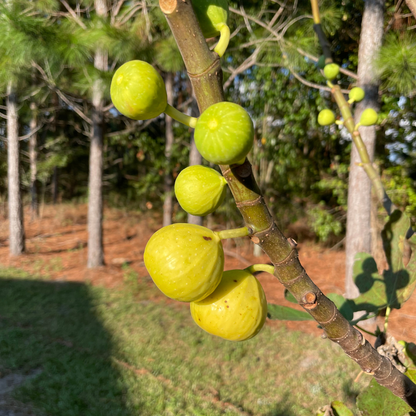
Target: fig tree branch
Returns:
[[204, 70]]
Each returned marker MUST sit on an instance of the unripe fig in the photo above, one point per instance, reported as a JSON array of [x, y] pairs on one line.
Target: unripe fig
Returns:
[[224, 133], [200, 190], [368, 117], [236, 310], [356, 95], [185, 261], [212, 15], [138, 91], [326, 117], [331, 71]]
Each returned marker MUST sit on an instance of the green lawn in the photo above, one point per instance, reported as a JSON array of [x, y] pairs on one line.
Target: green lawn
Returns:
[[114, 352]]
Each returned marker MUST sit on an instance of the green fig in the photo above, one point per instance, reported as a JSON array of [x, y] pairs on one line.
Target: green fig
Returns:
[[331, 71], [368, 117], [356, 95], [185, 261], [212, 15], [236, 310], [326, 117], [138, 91], [224, 133], [200, 190]]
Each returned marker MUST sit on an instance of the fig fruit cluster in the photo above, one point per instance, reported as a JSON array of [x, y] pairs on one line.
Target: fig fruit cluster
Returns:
[[186, 262]]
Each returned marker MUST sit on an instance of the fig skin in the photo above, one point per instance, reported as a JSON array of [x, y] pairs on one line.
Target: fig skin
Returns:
[[356, 94], [331, 71], [368, 117], [185, 261], [326, 117], [211, 15], [200, 190], [236, 310], [138, 91], [224, 133]]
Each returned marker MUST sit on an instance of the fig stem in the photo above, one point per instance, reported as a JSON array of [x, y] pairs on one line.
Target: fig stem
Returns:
[[339, 122], [350, 101], [181, 117], [222, 44], [234, 233], [261, 268]]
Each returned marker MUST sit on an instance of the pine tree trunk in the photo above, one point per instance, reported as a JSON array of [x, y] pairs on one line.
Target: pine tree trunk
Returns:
[[17, 233], [168, 180], [34, 211], [359, 187], [195, 158], [55, 185], [411, 4], [95, 200]]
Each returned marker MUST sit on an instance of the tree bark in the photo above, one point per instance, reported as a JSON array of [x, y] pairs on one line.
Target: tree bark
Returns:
[[95, 200], [195, 158], [411, 4], [33, 163], [16, 227], [359, 186], [168, 180]]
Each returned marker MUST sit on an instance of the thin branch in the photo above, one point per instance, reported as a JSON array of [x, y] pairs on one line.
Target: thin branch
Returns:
[[31, 133], [3, 116], [73, 14]]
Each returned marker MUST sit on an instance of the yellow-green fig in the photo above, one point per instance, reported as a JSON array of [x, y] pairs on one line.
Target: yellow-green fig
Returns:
[[200, 190], [326, 117], [236, 310], [185, 261], [224, 133], [368, 117], [212, 15], [331, 71], [138, 91], [356, 95]]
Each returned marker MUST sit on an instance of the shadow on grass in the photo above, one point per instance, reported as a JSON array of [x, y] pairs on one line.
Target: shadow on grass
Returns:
[[53, 328]]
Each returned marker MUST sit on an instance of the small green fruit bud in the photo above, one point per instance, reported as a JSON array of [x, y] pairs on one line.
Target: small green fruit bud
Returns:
[[326, 117], [200, 190], [356, 95], [211, 15], [368, 117], [331, 71]]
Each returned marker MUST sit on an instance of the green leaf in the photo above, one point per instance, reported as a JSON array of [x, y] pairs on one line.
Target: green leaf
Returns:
[[376, 400], [411, 374], [340, 409], [285, 313], [345, 306], [370, 284], [289, 297]]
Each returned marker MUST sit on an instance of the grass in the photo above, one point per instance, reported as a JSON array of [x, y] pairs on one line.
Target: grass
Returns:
[[115, 352]]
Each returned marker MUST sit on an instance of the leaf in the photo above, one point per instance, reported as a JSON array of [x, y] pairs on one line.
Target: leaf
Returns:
[[345, 306], [370, 284], [289, 297], [411, 374], [340, 409], [376, 400], [285, 313]]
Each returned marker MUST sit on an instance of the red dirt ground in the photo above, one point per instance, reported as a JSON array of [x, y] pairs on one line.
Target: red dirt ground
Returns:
[[56, 246]]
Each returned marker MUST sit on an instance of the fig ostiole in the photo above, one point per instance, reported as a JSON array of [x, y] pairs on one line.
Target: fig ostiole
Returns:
[[368, 118], [224, 133], [236, 310], [138, 91], [356, 94], [326, 117], [200, 190]]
